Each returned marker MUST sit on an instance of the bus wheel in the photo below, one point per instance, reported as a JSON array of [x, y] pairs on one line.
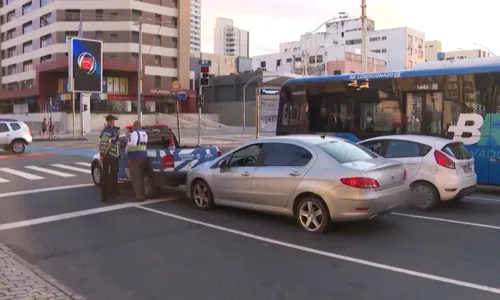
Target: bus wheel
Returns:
[[424, 196]]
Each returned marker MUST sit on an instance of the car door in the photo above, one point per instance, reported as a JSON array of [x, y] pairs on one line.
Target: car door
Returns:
[[283, 167], [4, 134], [409, 153], [233, 184]]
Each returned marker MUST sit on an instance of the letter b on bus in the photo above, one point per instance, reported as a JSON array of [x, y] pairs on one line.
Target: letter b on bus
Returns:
[[467, 123]]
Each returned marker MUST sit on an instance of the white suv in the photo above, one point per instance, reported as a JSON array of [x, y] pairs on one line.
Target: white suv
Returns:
[[14, 135], [438, 169]]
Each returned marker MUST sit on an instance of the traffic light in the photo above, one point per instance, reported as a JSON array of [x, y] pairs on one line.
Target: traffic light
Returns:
[[85, 107], [204, 76], [199, 101]]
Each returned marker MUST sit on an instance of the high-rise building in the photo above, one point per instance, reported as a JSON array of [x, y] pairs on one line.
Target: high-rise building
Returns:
[[34, 51], [229, 40], [195, 25]]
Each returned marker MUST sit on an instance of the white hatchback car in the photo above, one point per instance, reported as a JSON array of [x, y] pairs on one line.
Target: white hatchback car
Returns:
[[14, 135], [438, 169]]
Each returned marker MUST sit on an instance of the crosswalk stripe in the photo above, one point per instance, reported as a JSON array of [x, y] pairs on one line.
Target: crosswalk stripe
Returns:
[[4, 180], [49, 171], [21, 174], [83, 164], [86, 171]]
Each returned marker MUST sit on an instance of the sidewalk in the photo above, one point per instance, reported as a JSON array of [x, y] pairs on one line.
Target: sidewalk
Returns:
[[19, 280]]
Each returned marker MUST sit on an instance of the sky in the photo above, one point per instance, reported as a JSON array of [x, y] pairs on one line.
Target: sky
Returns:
[[457, 24]]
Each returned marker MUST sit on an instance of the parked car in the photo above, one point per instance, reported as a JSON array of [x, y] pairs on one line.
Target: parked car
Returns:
[[316, 179], [438, 169], [14, 135]]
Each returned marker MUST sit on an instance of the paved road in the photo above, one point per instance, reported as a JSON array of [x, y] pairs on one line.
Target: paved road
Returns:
[[171, 250]]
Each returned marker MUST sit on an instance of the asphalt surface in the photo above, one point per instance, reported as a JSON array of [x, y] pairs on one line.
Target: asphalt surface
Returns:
[[171, 250]]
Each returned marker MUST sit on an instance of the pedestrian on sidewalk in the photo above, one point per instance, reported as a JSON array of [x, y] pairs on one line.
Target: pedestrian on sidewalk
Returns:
[[44, 128], [137, 155], [52, 135], [109, 153]]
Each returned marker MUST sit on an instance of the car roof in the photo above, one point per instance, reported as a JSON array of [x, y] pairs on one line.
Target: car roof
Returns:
[[422, 139], [311, 139], [8, 120]]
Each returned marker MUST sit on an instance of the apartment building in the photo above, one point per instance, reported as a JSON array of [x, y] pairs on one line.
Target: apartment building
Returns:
[[195, 25], [34, 52], [230, 40]]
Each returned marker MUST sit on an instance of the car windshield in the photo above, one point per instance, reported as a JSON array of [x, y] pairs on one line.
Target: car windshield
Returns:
[[345, 152]]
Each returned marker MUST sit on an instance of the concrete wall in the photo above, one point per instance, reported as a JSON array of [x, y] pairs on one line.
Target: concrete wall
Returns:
[[64, 122], [231, 113]]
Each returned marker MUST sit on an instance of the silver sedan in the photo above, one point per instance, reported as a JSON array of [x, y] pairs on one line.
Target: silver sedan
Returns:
[[315, 179]]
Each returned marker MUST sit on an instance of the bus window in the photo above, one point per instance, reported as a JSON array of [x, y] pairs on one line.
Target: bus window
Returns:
[[329, 108]]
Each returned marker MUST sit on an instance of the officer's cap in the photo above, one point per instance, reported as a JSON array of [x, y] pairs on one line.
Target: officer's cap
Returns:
[[111, 118]]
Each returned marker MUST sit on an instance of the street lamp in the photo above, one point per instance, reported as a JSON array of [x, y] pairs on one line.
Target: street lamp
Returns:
[[341, 16], [486, 48], [140, 65]]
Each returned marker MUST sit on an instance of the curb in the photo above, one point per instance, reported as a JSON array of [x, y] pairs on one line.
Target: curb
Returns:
[[61, 139], [44, 276]]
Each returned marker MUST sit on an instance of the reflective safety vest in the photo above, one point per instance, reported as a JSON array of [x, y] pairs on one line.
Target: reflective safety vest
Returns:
[[139, 150], [109, 134]]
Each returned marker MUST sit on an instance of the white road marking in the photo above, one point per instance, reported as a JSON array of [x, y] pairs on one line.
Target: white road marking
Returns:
[[4, 180], [49, 171], [77, 214], [329, 254], [482, 198], [85, 164], [42, 190], [446, 220], [21, 174], [86, 171]]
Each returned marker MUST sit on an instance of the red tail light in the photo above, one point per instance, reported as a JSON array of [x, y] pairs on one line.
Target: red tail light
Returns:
[[405, 176], [360, 182], [168, 162], [443, 160]]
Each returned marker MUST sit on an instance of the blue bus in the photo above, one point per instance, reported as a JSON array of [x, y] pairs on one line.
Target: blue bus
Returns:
[[459, 100]]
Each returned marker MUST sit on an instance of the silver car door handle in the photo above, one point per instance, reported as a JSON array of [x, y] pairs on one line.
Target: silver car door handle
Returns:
[[246, 174], [294, 174]]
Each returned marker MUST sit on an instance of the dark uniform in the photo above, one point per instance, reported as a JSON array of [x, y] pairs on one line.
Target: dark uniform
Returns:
[[109, 176]]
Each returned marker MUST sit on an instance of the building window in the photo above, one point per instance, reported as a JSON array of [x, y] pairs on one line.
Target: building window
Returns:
[[158, 60], [71, 33], [99, 35], [28, 47], [135, 37], [157, 41], [99, 14], [46, 40], [45, 20], [27, 65], [11, 52], [27, 27], [136, 14], [157, 82], [173, 22], [158, 18], [11, 15], [288, 60], [45, 59], [72, 15], [384, 38], [12, 69], [27, 84], [44, 2], [384, 50], [174, 42], [319, 59], [174, 62], [11, 33], [26, 8]]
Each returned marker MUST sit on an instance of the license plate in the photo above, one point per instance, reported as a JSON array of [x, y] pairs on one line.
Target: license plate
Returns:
[[467, 169]]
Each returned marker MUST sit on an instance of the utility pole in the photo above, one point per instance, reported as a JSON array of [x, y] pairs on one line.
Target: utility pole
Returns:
[[364, 44], [139, 75], [200, 91]]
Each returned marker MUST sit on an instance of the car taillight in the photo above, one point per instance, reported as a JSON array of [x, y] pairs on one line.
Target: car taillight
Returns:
[[168, 162], [360, 182], [405, 176], [443, 160]]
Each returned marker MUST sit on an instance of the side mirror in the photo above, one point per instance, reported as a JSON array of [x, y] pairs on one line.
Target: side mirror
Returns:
[[224, 165]]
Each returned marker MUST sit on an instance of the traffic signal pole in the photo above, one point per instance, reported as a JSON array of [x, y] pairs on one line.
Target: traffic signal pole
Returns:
[[200, 93]]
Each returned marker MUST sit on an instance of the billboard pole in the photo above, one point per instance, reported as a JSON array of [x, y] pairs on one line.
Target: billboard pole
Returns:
[[73, 94]]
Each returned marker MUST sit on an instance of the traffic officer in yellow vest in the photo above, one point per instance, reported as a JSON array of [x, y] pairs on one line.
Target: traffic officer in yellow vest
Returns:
[[109, 152], [136, 155]]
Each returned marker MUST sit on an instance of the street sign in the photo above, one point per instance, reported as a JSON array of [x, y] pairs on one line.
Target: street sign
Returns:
[[205, 62], [181, 96]]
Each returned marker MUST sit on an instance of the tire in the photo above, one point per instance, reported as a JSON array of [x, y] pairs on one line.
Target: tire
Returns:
[[18, 146], [313, 215], [96, 174], [150, 188], [202, 195], [424, 196]]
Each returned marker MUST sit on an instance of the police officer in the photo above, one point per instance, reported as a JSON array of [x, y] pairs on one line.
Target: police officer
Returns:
[[136, 155], [109, 153]]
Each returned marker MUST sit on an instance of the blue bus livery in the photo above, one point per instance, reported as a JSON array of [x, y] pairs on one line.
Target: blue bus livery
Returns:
[[459, 100]]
